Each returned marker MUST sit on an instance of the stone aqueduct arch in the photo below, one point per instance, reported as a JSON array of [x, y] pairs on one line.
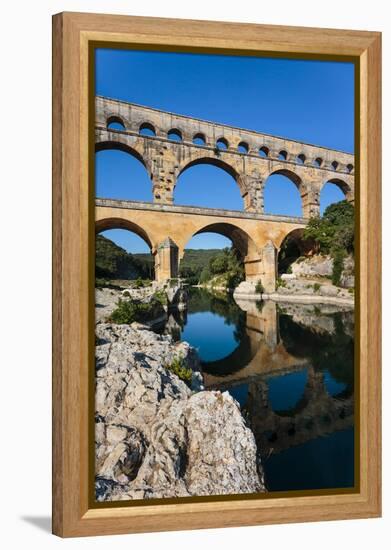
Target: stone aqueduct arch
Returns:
[[165, 226]]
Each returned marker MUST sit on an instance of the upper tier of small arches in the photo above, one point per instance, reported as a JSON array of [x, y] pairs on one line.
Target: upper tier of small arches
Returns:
[[147, 129]]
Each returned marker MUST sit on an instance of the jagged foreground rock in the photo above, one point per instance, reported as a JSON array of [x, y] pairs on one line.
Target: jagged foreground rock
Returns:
[[154, 436]]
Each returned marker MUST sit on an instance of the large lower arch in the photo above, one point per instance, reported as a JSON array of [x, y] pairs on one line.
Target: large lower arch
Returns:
[[242, 242], [115, 237], [119, 223]]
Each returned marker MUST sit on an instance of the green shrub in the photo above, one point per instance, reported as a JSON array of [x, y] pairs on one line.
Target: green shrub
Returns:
[[178, 367], [219, 264], [259, 287], [289, 269], [338, 258], [316, 287], [161, 297], [205, 275], [334, 230], [128, 311], [126, 294], [280, 282], [125, 312]]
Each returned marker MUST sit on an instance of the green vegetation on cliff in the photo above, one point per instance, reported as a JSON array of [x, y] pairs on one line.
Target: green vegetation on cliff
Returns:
[[334, 230], [179, 367], [128, 311], [333, 234], [113, 262]]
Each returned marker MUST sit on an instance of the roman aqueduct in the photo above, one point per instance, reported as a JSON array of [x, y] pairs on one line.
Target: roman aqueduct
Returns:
[[168, 144]]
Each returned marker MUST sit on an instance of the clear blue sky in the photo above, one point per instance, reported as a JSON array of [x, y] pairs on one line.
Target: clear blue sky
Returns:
[[310, 101]]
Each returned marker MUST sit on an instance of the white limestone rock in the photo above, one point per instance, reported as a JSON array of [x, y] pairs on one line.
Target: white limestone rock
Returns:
[[155, 437]]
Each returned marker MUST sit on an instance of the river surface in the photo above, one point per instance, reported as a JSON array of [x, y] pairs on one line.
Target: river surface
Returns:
[[290, 367]]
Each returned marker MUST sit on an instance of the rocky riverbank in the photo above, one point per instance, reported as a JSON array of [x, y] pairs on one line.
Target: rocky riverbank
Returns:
[[160, 297], [299, 291], [158, 436]]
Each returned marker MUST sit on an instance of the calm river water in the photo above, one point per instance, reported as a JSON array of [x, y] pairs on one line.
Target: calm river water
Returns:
[[290, 367]]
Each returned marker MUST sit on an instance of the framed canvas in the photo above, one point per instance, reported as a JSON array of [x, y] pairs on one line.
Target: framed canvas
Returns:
[[216, 274]]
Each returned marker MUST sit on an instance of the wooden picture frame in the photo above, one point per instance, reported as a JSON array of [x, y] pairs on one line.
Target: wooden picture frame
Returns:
[[73, 210]]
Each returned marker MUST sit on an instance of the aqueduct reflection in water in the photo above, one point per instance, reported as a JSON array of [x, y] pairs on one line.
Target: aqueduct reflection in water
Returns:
[[291, 369]]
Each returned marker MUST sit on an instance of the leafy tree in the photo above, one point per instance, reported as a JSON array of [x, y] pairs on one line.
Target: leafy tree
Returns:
[[113, 262], [334, 230], [334, 234], [219, 264], [205, 275]]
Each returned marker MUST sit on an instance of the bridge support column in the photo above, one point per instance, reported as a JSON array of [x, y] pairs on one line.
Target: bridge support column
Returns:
[[350, 197], [263, 268], [269, 324], [253, 194], [163, 174], [166, 260], [310, 204], [269, 267]]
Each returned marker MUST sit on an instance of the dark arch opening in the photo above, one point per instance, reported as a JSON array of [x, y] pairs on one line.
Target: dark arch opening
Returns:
[[334, 164], [318, 162], [122, 251], [293, 247], [209, 183], [349, 168], [243, 147], [120, 173], [115, 123], [147, 129], [282, 155], [174, 134], [222, 144], [199, 139], [264, 151], [300, 158], [282, 194]]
